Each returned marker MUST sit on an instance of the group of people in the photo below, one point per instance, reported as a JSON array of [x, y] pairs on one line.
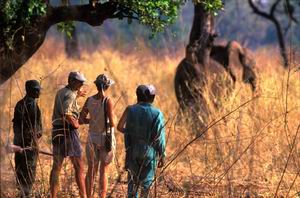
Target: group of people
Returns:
[[142, 125]]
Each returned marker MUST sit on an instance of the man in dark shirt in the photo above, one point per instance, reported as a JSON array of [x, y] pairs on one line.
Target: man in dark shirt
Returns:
[[27, 127]]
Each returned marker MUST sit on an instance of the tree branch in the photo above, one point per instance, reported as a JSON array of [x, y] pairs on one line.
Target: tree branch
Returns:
[[290, 10], [273, 8], [278, 27], [94, 16], [259, 12]]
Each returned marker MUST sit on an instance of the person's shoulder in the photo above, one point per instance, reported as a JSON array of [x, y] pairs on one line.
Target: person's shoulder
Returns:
[[134, 106], [29, 101], [108, 99], [131, 107], [20, 103], [62, 89], [90, 98], [66, 92], [155, 109]]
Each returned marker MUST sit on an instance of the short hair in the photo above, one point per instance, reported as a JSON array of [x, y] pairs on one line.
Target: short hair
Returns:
[[140, 93], [103, 82], [145, 93]]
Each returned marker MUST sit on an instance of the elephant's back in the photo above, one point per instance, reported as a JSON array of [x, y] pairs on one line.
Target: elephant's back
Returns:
[[220, 54]]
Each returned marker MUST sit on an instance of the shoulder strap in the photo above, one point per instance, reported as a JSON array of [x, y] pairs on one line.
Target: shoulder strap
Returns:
[[105, 114]]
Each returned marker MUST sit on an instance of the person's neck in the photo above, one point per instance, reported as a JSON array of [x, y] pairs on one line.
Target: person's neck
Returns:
[[29, 96], [99, 95], [144, 103], [70, 87]]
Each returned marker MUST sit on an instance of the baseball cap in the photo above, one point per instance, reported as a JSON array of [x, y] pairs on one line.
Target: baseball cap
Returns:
[[146, 89], [77, 75], [151, 89], [32, 84]]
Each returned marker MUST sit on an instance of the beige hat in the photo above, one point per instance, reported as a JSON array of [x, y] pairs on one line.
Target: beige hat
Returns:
[[77, 75]]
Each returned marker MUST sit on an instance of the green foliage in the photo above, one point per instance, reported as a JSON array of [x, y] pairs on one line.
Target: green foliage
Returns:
[[36, 8], [18, 14], [156, 14], [66, 27], [21, 12], [160, 13], [211, 5]]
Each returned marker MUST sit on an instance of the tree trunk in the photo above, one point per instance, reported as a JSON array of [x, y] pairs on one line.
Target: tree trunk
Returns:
[[203, 23], [24, 46], [202, 33], [71, 45]]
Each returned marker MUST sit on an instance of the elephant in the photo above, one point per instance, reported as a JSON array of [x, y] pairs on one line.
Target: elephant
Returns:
[[207, 76], [238, 61]]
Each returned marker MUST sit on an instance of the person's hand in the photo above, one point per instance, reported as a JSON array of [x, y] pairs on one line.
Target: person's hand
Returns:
[[161, 162], [39, 135], [14, 149], [75, 124], [19, 150], [81, 92], [73, 121], [257, 92]]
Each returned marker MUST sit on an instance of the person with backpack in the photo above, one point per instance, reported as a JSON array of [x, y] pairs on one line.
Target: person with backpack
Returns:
[[144, 135], [100, 141], [27, 126]]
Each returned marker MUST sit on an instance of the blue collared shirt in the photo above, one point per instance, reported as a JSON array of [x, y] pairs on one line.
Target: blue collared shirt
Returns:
[[145, 124]]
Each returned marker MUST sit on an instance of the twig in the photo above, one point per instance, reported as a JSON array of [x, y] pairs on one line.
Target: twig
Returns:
[[287, 162], [246, 149], [205, 130]]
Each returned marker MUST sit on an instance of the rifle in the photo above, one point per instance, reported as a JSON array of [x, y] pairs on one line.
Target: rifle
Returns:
[[14, 149]]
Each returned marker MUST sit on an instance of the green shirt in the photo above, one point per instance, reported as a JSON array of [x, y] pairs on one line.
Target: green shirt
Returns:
[[145, 124]]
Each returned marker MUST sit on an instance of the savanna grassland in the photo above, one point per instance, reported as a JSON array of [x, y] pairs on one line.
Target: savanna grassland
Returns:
[[255, 151]]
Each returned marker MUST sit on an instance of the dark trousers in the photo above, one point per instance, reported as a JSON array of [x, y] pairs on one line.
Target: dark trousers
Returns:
[[25, 167]]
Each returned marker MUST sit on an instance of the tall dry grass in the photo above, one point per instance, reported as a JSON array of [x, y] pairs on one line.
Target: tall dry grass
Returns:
[[244, 153]]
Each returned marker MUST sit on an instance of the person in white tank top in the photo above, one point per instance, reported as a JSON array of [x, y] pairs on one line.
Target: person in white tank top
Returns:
[[92, 113]]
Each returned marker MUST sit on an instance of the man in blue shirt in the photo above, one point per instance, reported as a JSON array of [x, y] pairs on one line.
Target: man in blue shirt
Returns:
[[144, 132]]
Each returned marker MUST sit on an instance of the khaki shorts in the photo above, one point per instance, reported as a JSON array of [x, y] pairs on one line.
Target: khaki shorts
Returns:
[[96, 153]]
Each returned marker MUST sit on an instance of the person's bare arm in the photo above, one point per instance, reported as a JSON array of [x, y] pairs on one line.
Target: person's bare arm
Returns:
[[83, 114], [122, 121], [110, 113], [73, 121]]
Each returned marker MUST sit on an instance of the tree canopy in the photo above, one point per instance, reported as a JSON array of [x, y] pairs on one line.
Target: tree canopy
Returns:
[[24, 23]]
